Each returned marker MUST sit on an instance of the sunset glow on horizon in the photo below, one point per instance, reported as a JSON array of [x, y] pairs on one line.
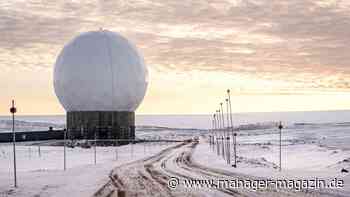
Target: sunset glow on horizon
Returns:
[[272, 55]]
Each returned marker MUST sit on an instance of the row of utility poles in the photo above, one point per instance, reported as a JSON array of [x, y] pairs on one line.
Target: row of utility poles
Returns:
[[219, 139], [221, 135]]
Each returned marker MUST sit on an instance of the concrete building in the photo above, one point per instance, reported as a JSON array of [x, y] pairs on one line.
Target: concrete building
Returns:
[[100, 79]]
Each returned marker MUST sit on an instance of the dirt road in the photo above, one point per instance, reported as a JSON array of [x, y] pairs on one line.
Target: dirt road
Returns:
[[164, 173]]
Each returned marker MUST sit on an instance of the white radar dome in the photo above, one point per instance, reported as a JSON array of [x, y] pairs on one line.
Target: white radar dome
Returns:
[[100, 71]]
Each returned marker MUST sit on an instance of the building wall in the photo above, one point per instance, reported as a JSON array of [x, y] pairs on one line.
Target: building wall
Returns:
[[105, 124]]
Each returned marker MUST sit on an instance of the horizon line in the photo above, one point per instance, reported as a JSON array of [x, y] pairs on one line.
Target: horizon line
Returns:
[[175, 114]]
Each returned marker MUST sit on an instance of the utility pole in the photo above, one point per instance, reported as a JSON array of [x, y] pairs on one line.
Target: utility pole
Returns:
[[217, 135], [234, 135], [218, 116], [64, 148], [228, 135], [227, 114], [214, 132], [13, 110], [210, 132], [116, 149], [95, 144], [219, 130], [280, 127], [222, 118], [219, 120], [223, 128]]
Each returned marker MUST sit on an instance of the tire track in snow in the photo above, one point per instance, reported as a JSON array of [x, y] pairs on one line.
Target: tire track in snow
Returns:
[[137, 178], [149, 177]]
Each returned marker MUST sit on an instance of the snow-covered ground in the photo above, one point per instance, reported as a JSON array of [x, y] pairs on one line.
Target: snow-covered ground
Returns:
[[151, 177], [299, 162], [44, 175], [309, 150]]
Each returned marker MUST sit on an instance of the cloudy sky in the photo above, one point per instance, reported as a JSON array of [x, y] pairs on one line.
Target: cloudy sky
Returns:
[[273, 55]]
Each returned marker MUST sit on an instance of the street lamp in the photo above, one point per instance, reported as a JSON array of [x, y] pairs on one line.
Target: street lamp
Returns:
[[216, 133], [219, 119], [228, 148], [280, 127], [233, 133], [223, 130], [13, 110], [222, 118], [218, 115], [210, 133]]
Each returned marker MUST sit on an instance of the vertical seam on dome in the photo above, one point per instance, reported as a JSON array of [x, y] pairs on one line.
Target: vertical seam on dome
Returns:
[[110, 64]]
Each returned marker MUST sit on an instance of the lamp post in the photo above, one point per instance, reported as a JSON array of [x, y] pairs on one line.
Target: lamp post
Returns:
[[217, 135], [64, 149], [214, 127], [234, 135], [228, 113], [209, 134], [219, 120], [220, 132], [224, 135], [213, 134], [13, 110], [222, 118], [218, 116], [228, 135], [210, 131], [280, 127], [95, 144]]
